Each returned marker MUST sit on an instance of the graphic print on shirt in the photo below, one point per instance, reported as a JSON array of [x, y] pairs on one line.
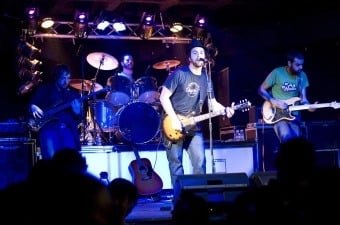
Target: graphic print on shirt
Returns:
[[288, 87], [192, 89]]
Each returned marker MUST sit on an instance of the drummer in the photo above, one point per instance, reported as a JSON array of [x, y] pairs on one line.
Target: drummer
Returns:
[[127, 63]]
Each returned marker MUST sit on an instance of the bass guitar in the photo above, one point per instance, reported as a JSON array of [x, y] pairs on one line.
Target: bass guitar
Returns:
[[189, 122], [35, 124], [272, 115], [147, 181]]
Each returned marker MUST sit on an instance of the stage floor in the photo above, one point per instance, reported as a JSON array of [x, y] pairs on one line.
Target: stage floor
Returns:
[[152, 211]]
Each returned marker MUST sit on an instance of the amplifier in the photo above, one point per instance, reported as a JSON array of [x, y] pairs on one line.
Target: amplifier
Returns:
[[13, 129], [17, 156]]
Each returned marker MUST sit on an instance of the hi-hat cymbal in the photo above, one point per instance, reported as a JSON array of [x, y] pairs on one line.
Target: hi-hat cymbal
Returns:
[[77, 84], [102, 61], [167, 64]]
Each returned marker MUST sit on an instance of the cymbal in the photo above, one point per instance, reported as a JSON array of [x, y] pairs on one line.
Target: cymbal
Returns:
[[166, 64], [77, 84], [102, 61]]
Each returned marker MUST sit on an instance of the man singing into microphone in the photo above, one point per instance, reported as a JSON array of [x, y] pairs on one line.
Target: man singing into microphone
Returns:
[[183, 93]]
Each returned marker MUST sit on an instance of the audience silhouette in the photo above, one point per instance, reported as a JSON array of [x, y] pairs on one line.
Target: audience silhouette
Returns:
[[124, 197], [286, 199]]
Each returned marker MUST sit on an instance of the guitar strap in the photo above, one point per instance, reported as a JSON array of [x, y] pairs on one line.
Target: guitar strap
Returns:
[[298, 114], [300, 85]]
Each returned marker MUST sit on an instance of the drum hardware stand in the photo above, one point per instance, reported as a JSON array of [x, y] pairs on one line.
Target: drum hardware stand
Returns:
[[83, 131], [134, 92], [97, 136]]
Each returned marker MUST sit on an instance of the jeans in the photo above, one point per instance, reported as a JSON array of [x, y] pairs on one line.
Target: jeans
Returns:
[[194, 145], [285, 130], [53, 138]]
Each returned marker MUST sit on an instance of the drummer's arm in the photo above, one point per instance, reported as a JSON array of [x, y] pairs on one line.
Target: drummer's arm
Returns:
[[109, 81]]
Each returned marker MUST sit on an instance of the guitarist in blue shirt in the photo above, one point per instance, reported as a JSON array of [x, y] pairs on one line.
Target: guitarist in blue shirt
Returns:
[[57, 130], [285, 86], [182, 95]]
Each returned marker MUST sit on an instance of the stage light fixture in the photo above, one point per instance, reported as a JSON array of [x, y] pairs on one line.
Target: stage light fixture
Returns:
[[199, 28], [28, 86], [103, 20], [176, 27], [30, 79], [32, 14], [103, 25], [32, 64], [148, 21], [28, 50], [80, 24], [119, 25], [29, 75], [47, 23]]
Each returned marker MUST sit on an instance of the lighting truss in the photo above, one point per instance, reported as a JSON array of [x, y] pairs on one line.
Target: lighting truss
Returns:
[[65, 29]]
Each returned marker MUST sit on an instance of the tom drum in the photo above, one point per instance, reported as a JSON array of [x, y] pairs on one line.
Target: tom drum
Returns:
[[120, 93], [103, 114], [147, 89]]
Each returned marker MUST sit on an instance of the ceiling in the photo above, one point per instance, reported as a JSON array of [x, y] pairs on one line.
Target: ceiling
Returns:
[[220, 12]]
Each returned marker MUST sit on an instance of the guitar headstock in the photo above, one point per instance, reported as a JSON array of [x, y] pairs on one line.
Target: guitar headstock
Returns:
[[335, 105], [243, 106]]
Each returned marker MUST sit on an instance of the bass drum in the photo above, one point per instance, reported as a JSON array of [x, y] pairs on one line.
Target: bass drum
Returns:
[[138, 122]]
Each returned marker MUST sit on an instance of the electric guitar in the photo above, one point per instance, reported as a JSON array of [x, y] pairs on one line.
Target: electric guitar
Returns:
[[189, 122], [147, 181], [35, 124], [272, 115]]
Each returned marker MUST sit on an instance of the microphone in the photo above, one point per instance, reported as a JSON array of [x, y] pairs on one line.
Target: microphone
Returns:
[[203, 60]]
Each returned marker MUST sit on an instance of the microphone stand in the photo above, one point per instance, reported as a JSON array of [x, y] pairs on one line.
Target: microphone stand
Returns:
[[80, 52], [97, 136], [209, 91]]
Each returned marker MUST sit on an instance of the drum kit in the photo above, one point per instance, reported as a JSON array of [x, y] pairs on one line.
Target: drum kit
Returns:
[[130, 112]]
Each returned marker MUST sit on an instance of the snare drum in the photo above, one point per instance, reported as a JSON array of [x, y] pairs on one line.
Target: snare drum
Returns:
[[147, 89], [120, 91]]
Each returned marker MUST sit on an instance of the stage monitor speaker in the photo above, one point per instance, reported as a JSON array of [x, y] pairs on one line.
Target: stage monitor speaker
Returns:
[[16, 160], [214, 188], [260, 179]]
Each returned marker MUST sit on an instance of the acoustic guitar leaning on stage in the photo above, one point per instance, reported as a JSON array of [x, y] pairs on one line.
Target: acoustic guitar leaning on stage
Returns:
[[147, 181], [189, 122], [272, 115]]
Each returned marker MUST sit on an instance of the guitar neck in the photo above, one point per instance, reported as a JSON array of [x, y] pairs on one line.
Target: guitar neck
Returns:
[[58, 108], [303, 107], [68, 104], [207, 115], [241, 106], [138, 158]]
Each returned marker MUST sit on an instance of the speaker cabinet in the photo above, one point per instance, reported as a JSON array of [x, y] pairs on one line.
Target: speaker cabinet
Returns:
[[17, 156], [325, 137], [214, 188], [324, 134], [267, 144]]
